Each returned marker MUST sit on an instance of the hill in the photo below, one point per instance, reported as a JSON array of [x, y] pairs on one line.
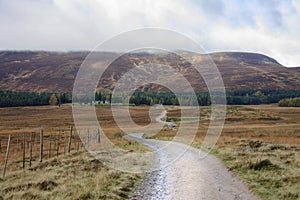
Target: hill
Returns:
[[55, 72]]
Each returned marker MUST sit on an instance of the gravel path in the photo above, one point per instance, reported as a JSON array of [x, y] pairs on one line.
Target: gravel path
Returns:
[[189, 177]]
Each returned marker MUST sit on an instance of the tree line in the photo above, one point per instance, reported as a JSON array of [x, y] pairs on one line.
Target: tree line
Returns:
[[233, 97], [13, 98], [262, 96], [289, 102]]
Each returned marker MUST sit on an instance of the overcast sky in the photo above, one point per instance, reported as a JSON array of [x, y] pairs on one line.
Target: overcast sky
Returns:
[[271, 27]]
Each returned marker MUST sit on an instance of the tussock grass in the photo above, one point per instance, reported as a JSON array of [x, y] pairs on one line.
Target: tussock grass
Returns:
[[272, 171], [76, 176]]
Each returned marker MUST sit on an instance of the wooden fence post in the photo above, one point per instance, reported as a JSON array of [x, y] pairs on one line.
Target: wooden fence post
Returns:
[[41, 145], [75, 140], [98, 136], [58, 143], [30, 150], [0, 146], [50, 140], [65, 142], [55, 141], [87, 138], [6, 156], [70, 140], [79, 140], [24, 147]]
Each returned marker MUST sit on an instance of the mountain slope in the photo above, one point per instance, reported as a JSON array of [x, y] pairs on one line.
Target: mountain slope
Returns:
[[55, 72]]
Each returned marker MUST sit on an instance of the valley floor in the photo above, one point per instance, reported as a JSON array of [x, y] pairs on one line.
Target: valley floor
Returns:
[[260, 144]]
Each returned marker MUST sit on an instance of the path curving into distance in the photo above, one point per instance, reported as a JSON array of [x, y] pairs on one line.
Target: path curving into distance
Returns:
[[189, 177]]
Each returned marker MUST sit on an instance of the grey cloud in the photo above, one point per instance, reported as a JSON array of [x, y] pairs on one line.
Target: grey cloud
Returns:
[[211, 8], [82, 24], [272, 17]]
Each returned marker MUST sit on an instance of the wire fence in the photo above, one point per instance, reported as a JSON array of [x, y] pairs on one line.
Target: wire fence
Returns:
[[21, 151]]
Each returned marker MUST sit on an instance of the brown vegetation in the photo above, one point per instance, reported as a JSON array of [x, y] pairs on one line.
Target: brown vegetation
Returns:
[[75, 176], [56, 72], [259, 143], [67, 176]]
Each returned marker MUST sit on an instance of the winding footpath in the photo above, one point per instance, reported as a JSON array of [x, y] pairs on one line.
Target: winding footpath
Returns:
[[180, 172]]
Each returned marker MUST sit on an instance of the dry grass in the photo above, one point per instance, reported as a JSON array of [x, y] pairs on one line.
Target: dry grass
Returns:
[[259, 143], [53, 119], [271, 170], [76, 176], [71, 176]]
